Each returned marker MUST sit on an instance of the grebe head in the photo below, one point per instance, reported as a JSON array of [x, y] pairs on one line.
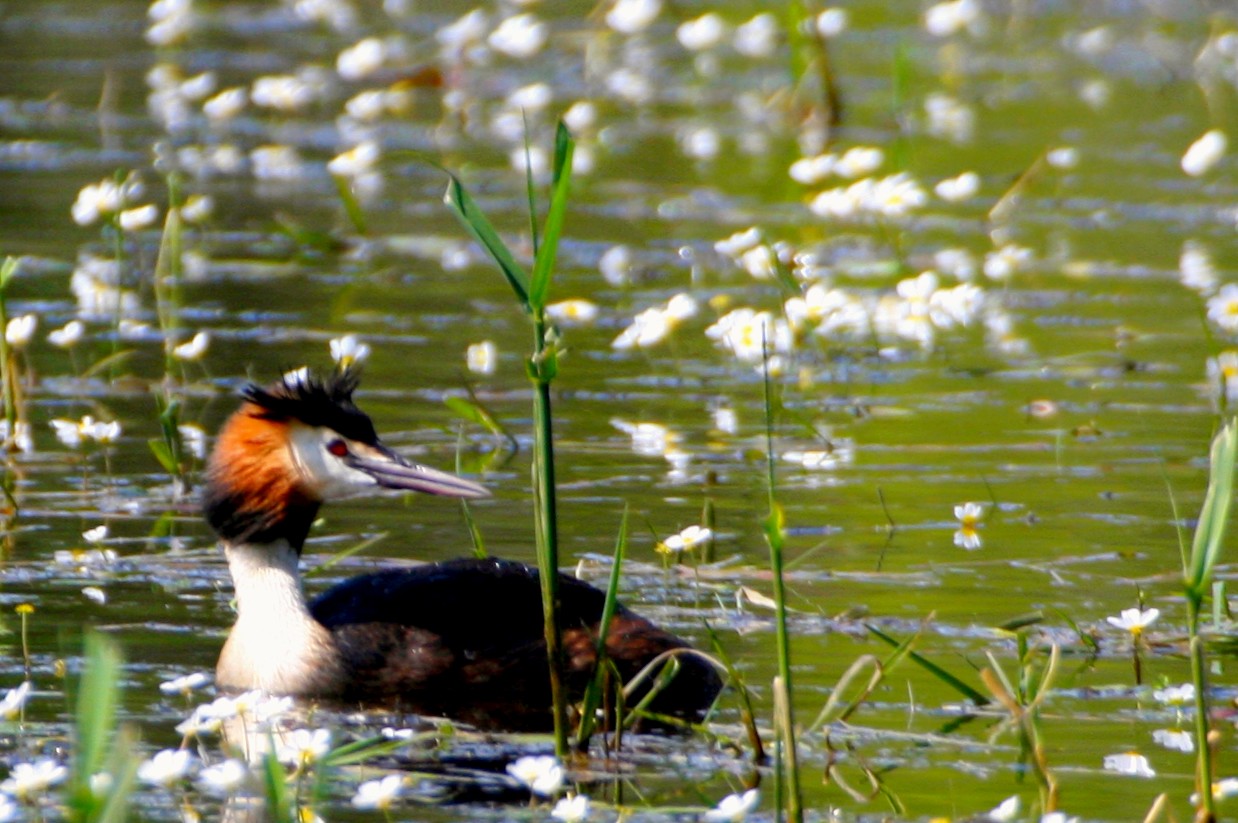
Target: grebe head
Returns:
[[296, 444]]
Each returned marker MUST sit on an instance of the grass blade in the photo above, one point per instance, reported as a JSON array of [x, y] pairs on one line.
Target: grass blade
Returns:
[[1214, 515], [481, 230], [544, 262], [593, 693], [937, 671], [98, 694]]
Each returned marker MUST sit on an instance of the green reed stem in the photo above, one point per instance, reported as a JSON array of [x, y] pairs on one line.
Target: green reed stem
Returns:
[[1197, 573], [774, 536], [547, 525], [532, 294]]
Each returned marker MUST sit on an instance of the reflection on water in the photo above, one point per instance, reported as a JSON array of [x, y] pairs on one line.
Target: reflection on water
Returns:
[[997, 282]]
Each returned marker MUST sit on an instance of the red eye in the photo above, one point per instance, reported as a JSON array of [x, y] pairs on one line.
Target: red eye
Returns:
[[338, 447]]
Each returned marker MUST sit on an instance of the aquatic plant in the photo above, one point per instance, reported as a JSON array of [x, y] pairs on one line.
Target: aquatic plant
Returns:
[[531, 293]]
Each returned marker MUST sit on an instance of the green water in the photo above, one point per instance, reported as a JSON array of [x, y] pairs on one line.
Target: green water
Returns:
[[1079, 500]]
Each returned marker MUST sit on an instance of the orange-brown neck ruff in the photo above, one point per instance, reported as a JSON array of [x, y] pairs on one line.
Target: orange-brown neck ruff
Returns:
[[253, 492]]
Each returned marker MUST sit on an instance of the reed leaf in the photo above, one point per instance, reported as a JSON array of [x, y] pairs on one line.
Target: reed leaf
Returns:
[[544, 263], [1213, 516], [482, 230], [932, 668], [593, 692], [98, 694], [352, 208]]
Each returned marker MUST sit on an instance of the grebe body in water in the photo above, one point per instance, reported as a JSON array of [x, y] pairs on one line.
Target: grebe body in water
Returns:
[[461, 638]]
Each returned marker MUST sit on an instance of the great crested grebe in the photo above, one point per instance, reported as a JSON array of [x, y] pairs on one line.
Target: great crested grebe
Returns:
[[461, 638]]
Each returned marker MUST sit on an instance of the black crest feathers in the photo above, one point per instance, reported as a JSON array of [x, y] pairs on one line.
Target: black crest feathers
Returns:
[[301, 396]]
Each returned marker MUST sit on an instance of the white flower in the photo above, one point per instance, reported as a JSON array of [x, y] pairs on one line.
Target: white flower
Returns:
[[282, 92], [194, 348], [99, 431], [362, 59], [97, 200], [378, 794], [1196, 270], [482, 358], [689, 538], [68, 432], [1005, 811], [224, 777], [734, 807], [701, 143], [68, 336], [648, 328], [701, 33], [859, 161], [166, 767], [226, 105], [1134, 620], [958, 189], [648, 439], [194, 439], [758, 37], [1221, 789], [575, 312], [14, 700], [812, 170], [184, 684], [466, 31], [20, 329], [8, 809], [94, 594], [276, 163], [969, 514], [726, 420], [531, 98], [303, 746], [949, 118], [682, 306], [1223, 307], [520, 36], [1006, 261], [735, 245], [95, 535], [760, 262], [348, 349], [1175, 695], [542, 774], [616, 265], [1129, 763], [27, 779], [83, 558], [1205, 153], [1175, 739], [631, 16], [747, 334], [571, 809], [580, 116], [1063, 157], [138, 218], [831, 22], [945, 19], [356, 161], [266, 707]]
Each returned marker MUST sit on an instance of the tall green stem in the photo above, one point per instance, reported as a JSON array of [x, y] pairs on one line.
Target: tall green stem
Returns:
[[1199, 675], [547, 527], [774, 536]]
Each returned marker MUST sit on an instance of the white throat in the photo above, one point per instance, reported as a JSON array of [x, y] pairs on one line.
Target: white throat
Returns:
[[275, 645]]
